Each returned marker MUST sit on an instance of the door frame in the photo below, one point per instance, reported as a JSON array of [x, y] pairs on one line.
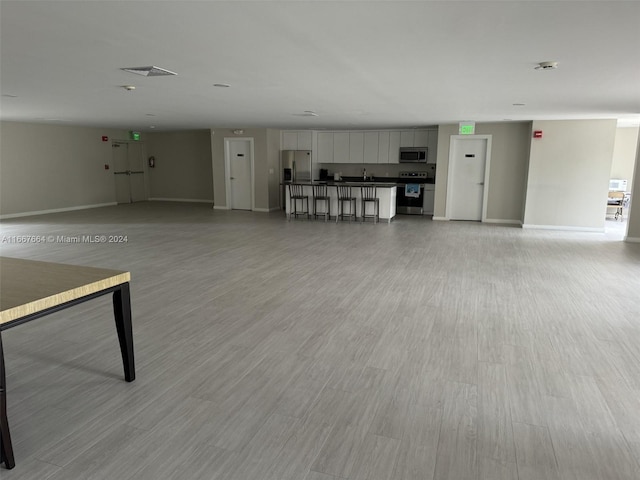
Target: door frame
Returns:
[[453, 143], [227, 169]]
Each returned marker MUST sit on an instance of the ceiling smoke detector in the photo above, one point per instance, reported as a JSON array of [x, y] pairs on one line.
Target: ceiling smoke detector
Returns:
[[547, 65], [150, 71]]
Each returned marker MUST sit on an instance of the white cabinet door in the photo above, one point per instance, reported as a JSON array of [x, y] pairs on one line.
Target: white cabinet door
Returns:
[[325, 147], [356, 147], [289, 140], [421, 138], [304, 140], [432, 152], [341, 147], [371, 147], [394, 147], [406, 138], [429, 196], [383, 147]]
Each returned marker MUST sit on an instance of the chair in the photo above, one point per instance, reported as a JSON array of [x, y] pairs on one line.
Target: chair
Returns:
[[320, 195], [616, 200], [295, 194], [344, 196], [369, 196]]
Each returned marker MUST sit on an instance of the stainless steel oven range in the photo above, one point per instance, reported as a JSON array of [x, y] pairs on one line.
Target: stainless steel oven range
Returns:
[[410, 196]]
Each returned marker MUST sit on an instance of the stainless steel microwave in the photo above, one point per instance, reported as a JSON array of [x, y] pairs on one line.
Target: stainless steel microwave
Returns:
[[413, 155]]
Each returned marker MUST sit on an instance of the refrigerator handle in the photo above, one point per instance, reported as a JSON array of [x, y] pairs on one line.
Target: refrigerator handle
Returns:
[[293, 170]]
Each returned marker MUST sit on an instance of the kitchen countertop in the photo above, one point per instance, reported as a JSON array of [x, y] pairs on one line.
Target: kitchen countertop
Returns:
[[333, 183]]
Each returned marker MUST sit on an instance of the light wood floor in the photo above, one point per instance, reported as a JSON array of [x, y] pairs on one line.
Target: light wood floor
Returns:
[[303, 350]]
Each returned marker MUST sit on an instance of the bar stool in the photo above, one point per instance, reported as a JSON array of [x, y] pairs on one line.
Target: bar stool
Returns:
[[295, 194], [369, 196], [320, 195], [344, 195]]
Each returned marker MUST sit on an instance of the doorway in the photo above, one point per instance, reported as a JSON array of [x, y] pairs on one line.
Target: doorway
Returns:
[[468, 178], [239, 170], [128, 171]]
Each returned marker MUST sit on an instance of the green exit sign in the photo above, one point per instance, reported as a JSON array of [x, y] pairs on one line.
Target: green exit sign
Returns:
[[467, 128], [135, 135]]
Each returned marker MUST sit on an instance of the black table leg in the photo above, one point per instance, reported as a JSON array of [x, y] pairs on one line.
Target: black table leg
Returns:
[[122, 313], [6, 450]]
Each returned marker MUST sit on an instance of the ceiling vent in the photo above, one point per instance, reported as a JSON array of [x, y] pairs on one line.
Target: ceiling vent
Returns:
[[149, 71]]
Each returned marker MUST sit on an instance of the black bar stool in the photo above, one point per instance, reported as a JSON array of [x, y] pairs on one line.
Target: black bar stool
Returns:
[[369, 196], [320, 195], [295, 194], [344, 196]]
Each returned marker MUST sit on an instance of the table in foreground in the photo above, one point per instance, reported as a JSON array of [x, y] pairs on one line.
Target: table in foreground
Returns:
[[31, 289]]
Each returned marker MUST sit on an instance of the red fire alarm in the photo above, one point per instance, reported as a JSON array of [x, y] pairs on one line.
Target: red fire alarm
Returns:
[[105, 138], [537, 134]]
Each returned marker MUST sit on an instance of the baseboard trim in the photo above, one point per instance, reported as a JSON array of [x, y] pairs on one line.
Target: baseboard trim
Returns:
[[503, 221], [185, 200], [266, 210], [220, 207], [565, 228], [56, 210], [632, 239], [442, 219]]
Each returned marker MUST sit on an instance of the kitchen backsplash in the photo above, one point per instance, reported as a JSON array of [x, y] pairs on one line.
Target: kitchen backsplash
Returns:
[[377, 170]]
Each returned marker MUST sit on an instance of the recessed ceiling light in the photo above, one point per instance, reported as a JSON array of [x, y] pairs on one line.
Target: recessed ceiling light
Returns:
[[149, 114], [129, 88], [8, 95], [221, 85], [152, 126], [518, 104], [547, 66], [150, 71]]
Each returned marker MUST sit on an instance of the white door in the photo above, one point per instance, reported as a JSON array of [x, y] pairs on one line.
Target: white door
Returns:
[[468, 169], [239, 155], [128, 170]]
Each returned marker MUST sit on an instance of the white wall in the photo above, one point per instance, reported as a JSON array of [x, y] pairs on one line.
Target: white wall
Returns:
[[624, 154], [266, 146], [507, 174], [182, 165], [50, 167], [569, 170]]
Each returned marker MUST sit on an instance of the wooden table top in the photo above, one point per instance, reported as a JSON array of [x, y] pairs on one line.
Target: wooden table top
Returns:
[[30, 286]]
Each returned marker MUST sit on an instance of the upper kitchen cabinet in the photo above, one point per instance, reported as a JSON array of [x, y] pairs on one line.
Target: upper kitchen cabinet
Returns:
[[383, 147], [394, 147], [371, 147], [406, 138], [297, 140], [325, 147], [356, 147], [340, 147], [421, 138], [432, 146]]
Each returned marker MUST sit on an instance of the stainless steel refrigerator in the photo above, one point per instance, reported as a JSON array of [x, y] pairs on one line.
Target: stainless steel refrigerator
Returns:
[[295, 166]]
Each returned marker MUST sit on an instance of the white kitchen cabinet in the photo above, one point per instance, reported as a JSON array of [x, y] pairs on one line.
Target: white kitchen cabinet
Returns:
[[371, 147], [432, 152], [305, 139], [383, 147], [356, 147], [394, 147], [421, 138], [297, 139], [429, 199], [289, 140], [340, 147], [325, 147], [406, 138]]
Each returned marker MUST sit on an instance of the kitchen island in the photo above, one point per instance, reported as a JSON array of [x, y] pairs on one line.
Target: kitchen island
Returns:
[[385, 192]]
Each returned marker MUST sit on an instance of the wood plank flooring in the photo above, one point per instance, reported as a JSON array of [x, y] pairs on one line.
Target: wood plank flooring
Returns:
[[304, 350]]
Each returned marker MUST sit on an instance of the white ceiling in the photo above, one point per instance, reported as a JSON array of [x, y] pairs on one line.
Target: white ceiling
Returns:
[[357, 64]]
